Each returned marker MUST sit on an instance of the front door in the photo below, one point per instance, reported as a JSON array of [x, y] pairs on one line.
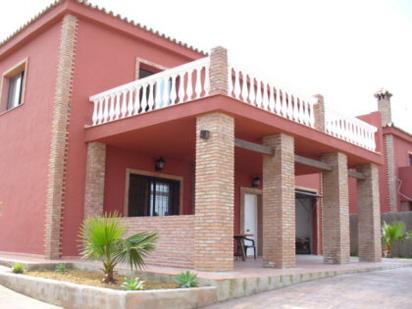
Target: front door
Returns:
[[251, 218]]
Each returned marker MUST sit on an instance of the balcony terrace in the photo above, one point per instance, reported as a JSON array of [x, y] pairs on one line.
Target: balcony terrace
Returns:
[[190, 82]]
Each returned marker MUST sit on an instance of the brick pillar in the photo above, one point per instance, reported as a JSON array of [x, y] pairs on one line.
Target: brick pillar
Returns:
[[214, 193], [279, 203], [335, 211], [95, 172], [390, 170], [218, 71], [369, 230], [319, 112]]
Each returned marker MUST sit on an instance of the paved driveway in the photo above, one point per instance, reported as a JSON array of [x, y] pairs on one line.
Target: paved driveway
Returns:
[[12, 300], [381, 289]]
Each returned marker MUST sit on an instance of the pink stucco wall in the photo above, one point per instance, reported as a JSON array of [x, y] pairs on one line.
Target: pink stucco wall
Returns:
[[118, 160], [402, 150], [25, 145], [105, 58]]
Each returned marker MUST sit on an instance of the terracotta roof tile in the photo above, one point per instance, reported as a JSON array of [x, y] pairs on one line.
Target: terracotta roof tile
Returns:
[[108, 12]]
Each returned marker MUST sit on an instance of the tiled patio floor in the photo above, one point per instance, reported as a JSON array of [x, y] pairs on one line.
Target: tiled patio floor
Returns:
[[246, 279], [246, 269]]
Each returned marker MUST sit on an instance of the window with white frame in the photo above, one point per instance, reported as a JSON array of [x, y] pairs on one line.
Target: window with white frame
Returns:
[[12, 86], [15, 92]]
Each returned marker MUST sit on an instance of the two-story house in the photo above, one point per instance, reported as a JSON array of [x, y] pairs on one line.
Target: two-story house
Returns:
[[100, 114]]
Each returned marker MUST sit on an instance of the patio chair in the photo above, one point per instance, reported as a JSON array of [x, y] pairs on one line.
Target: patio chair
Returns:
[[247, 245]]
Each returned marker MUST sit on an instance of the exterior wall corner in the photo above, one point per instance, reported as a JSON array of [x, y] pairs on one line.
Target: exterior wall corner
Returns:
[[59, 138]]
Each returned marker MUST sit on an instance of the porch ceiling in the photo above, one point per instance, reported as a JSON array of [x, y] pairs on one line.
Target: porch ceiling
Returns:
[[170, 132]]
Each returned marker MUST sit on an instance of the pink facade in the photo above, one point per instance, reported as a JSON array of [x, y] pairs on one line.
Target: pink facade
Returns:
[[106, 52], [25, 134], [403, 172], [101, 65]]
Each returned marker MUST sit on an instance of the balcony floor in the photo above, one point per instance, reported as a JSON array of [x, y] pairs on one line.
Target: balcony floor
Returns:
[[171, 132]]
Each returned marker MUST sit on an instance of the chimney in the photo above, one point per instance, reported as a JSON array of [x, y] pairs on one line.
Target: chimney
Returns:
[[384, 106]]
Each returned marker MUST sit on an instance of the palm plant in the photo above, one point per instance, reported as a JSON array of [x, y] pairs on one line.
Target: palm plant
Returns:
[[393, 232], [103, 239]]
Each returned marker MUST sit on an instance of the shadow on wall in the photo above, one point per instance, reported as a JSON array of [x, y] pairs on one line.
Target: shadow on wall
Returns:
[[400, 249]]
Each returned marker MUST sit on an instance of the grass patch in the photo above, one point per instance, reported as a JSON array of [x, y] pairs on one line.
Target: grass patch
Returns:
[[94, 278]]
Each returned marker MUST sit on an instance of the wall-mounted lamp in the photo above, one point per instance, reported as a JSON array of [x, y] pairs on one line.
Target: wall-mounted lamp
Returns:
[[159, 164], [204, 134], [256, 182]]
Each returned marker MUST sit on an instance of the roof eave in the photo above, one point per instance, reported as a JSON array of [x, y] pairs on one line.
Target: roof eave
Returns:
[[59, 8]]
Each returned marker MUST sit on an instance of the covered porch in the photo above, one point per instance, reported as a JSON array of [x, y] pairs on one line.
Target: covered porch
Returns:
[[211, 149]]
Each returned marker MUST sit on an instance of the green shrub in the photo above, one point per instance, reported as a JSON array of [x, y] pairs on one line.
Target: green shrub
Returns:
[[187, 279], [132, 284], [17, 268], [392, 232], [60, 268]]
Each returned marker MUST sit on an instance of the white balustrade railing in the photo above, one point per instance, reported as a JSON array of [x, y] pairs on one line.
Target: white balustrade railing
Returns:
[[350, 129], [257, 92], [173, 86], [191, 81]]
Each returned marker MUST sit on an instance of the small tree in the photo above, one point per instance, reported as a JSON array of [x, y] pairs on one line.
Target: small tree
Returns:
[[393, 232], [103, 239]]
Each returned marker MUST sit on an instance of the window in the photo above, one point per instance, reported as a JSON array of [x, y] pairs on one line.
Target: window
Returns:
[[144, 73], [410, 159], [12, 86], [162, 87], [153, 196], [15, 93], [145, 68]]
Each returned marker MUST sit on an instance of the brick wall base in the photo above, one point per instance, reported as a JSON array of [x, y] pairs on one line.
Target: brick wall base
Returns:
[[175, 246]]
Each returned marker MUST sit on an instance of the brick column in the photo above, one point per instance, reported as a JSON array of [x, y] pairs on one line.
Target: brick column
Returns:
[[95, 172], [214, 193], [319, 112], [59, 137], [369, 230], [390, 168], [279, 203], [335, 211], [218, 71]]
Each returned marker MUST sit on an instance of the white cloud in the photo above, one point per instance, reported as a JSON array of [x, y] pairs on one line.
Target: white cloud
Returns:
[[345, 50]]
